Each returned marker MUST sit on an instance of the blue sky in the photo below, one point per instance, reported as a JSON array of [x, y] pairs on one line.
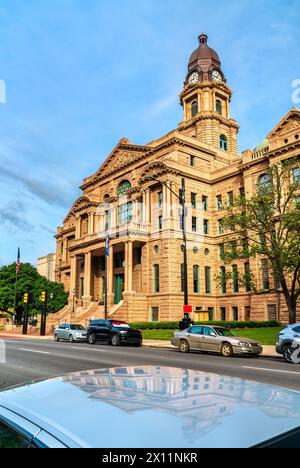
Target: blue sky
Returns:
[[81, 75]]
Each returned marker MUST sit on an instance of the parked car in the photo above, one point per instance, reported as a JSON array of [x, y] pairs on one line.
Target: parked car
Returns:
[[215, 339], [131, 407], [70, 332], [113, 332], [288, 343]]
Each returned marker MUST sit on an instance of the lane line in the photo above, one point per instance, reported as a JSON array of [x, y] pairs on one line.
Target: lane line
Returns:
[[271, 370], [33, 351], [90, 349]]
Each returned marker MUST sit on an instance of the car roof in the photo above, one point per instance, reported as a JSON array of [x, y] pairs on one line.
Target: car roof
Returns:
[[143, 399]]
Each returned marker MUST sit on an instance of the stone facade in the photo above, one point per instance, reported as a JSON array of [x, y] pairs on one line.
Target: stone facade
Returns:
[[134, 197], [46, 266]]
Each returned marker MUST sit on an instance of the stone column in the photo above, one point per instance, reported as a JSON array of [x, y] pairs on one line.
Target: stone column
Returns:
[[91, 223], [73, 278], [128, 266], [148, 207], [87, 278], [144, 208], [78, 227], [165, 201]]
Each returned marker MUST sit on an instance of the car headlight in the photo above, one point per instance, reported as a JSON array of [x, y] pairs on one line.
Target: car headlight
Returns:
[[77, 335], [124, 332], [244, 344]]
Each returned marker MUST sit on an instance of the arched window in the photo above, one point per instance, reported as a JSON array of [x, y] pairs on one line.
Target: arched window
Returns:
[[219, 106], [123, 188], [106, 197], [264, 183], [194, 108], [223, 143]]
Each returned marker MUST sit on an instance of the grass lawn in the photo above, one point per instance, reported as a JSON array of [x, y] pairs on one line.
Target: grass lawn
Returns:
[[265, 336]]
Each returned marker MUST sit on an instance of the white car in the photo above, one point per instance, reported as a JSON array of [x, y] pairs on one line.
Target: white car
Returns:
[[70, 332]]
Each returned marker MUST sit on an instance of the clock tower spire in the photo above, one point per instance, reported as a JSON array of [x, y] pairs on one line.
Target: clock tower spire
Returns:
[[206, 99]]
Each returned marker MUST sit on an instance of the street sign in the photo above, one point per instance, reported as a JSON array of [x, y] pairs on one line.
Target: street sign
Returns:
[[187, 309]]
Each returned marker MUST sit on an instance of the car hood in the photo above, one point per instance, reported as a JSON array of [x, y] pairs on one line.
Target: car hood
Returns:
[[156, 407], [241, 338]]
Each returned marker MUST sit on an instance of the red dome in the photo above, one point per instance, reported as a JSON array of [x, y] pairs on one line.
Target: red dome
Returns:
[[204, 52]]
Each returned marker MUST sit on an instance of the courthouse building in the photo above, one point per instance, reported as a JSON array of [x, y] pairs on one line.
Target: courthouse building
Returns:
[[130, 197]]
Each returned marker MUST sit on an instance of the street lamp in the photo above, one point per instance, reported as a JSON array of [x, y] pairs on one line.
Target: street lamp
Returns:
[[182, 199]]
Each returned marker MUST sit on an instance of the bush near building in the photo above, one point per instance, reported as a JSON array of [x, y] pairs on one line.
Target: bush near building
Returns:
[[232, 325]]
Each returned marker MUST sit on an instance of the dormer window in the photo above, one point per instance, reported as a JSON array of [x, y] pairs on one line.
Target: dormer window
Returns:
[[194, 108], [223, 143]]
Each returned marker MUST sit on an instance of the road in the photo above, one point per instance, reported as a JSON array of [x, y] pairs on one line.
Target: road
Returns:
[[32, 360]]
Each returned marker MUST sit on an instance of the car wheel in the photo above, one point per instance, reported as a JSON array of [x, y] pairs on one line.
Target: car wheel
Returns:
[[56, 338], [226, 350], [71, 339], [287, 354], [184, 346], [115, 341], [92, 339]]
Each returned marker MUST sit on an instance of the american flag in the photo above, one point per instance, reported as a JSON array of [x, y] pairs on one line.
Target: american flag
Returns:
[[18, 264], [107, 246]]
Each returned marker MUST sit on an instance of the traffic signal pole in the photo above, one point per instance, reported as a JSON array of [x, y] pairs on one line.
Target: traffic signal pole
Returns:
[[44, 313], [26, 314]]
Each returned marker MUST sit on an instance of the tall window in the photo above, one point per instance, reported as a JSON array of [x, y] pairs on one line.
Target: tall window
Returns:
[[160, 199], [205, 203], [219, 203], [223, 143], [235, 279], [223, 313], [221, 251], [211, 313], [247, 273], [265, 274], [220, 226], [235, 314], [206, 227], [219, 106], [194, 224], [196, 279], [194, 200], [193, 161], [230, 199], [296, 175], [223, 280], [156, 278], [154, 314], [123, 188], [194, 108], [125, 213], [264, 183], [160, 223], [208, 280]]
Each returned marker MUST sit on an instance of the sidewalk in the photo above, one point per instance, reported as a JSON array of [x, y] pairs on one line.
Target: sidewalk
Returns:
[[268, 351]]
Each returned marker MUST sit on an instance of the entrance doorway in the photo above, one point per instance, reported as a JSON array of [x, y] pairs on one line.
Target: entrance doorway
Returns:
[[119, 288]]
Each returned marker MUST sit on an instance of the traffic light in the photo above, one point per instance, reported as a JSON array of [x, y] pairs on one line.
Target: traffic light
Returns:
[[43, 296], [26, 298]]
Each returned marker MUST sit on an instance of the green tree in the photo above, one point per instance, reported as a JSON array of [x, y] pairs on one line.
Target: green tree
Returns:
[[29, 282], [268, 225]]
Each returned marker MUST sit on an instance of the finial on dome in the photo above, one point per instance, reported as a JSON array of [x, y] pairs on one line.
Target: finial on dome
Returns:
[[203, 38]]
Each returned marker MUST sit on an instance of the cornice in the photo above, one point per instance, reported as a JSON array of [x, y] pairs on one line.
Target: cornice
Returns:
[[191, 88]]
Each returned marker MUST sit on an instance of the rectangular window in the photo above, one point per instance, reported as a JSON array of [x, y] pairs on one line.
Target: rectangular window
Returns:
[[272, 312], [296, 175], [235, 314], [223, 281], [208, 280], [219, 203], [160, 199], [205, 203], [196, 279], [206, 227], [193, 161], [160, 223], [247, 273], [211, 314], [154, 314], [242, 193], [221, 251], [247, 313], [220, 226], [265, 274], [138, 255], [230, 199], [194, 200], [235, 279], [125, 213], [156, 278], [194, 224], [223, 314]]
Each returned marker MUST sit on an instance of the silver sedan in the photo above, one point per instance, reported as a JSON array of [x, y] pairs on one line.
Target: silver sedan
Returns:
[[70, 332], [215, 339]]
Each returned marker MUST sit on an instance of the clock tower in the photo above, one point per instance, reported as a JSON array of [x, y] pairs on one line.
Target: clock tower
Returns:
[[206, 99]]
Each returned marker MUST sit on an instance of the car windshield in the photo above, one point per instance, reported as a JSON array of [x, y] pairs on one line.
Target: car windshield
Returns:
[[224, 332], [77, 327]]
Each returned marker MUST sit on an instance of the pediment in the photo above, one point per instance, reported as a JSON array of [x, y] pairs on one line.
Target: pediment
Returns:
[[291, 122], [155, 169]]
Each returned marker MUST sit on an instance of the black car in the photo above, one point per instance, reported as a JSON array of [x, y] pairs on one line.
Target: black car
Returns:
[[113, 332]]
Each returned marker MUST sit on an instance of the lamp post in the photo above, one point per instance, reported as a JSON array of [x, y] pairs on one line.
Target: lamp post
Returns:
[[182, 199]]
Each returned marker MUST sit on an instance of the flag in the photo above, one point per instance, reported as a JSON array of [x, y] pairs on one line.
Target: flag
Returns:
[[107, 246], [18, 264]]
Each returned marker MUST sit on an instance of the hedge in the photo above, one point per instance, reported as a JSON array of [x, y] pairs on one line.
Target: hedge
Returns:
[[233, 325]]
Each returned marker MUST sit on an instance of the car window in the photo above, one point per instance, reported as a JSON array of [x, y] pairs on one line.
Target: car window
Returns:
[[196, 330], [62, 327], [296, 329], [11, 439], [208, 331], [224, 332], [77, 327]]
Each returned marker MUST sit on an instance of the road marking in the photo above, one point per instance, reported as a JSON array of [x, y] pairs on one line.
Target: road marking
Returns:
[[33, 351], [90, 349], [271, 370]]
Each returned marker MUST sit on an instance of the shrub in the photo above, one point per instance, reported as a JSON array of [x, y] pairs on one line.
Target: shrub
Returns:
[[233, 325]]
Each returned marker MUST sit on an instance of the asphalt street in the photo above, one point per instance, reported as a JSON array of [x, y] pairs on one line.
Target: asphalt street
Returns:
[[33, 360]]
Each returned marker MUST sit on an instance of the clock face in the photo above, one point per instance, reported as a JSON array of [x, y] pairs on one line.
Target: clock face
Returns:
[[194, 77], [216, 75]]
